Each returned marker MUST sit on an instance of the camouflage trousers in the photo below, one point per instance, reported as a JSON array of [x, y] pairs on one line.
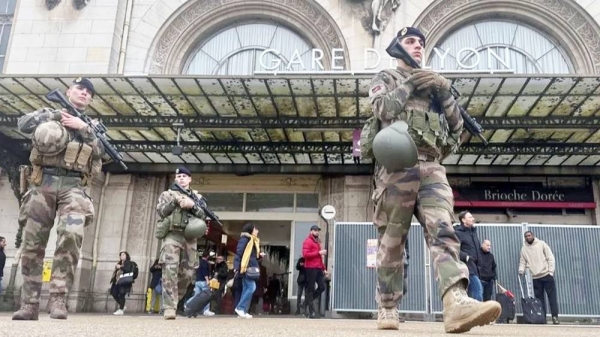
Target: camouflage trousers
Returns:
[[179, 260], [422, 191], [55, 196]]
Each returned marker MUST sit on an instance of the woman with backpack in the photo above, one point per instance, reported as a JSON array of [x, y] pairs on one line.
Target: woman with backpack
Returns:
[[121, 281]]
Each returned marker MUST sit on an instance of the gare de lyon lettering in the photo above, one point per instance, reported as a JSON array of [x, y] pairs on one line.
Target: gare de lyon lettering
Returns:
[[337, 54]]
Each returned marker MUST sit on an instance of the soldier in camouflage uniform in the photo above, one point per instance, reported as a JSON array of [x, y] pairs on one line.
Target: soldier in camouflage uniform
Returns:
[[65, 156], [178, 256], [409, 95]]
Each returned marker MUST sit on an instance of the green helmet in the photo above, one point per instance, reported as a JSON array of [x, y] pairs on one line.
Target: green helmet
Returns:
[[195, 229], [50, 138], [394, 148]]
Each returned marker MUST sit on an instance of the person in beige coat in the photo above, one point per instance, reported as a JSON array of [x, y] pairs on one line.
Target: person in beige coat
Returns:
[[537, 256]]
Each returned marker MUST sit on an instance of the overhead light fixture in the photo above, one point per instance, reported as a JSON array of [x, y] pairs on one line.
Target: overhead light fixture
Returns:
[[177, 150]]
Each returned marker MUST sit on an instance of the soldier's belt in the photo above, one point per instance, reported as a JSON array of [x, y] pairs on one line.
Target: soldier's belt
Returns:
[[176, 229], [427, 157], [61, 172]]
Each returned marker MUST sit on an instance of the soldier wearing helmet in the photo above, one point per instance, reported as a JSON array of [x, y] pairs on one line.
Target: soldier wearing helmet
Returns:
[[181, 224], [420, 122], [64, 157]]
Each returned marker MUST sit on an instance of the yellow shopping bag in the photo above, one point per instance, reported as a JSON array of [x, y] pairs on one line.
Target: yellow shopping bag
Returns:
[[149, 302], [214, 284]]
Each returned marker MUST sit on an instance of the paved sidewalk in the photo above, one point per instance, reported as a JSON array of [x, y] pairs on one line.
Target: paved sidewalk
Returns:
[[83, 325]]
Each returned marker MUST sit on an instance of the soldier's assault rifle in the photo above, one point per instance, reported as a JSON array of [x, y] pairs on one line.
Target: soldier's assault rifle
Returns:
[[395, 50], [98, 128], [200, 202]]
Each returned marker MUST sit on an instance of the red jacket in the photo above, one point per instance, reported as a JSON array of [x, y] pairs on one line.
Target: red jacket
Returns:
[[310, 251]]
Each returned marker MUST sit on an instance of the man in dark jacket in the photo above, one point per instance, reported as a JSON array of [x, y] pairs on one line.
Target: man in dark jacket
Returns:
[[155, 281], [470, 252], [301, 280], [221, 273], [202, 279], [487, 269], [314, 268], [2, 260]]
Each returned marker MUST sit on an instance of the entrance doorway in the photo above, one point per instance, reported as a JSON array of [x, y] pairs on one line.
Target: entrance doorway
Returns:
[[271, 296]]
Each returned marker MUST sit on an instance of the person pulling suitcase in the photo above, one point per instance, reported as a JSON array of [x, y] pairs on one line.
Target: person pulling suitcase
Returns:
[[533, 311]]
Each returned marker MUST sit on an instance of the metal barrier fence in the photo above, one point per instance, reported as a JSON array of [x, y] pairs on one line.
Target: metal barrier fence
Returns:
[[575, 248], [354, 284]]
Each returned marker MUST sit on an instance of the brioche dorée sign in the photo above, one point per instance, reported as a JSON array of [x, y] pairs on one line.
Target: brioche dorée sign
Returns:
[[524, 196]]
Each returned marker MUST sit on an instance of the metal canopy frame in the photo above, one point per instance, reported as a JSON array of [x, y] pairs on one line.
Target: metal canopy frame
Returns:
[[309, 119], [320, 123], [336, 148]]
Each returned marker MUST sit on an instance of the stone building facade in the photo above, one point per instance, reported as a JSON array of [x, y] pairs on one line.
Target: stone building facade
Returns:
[[154, 37]]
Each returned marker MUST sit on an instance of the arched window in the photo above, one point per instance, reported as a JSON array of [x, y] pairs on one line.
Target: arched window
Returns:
[[249, 47], [500, 45]]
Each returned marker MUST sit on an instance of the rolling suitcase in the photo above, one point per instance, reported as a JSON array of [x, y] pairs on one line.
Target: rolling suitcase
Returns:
[[198, 302], [507, 301], [533, 312]]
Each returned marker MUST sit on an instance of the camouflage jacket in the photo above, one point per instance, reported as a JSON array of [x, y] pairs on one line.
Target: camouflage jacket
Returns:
[[167, 204], [391, 98], [29, 122]]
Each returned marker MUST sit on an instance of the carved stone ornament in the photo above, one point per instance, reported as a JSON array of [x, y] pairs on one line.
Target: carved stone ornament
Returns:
[[374, 15], [50, 4], [199, 14], [79, 4], [568, 12], [141, 211], [383, 10]]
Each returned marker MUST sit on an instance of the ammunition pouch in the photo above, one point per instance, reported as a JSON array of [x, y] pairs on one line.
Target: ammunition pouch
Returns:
[[36, 175], [162, 228], [428, 129], [77, 156], [177, 220], [367, 135]]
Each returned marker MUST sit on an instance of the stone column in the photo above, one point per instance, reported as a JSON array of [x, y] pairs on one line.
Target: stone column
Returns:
[[140, 242], [117, 204], [359, 207], [80, 291]]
